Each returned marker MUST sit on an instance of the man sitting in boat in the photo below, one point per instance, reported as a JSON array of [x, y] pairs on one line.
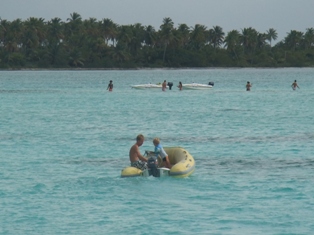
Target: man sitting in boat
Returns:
[[159, 151], [136, 158]]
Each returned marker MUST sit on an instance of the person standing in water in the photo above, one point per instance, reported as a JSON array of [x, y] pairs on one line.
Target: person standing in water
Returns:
[[164, 86], [110, 86], [295, 85], [180, 86], [248, 86]]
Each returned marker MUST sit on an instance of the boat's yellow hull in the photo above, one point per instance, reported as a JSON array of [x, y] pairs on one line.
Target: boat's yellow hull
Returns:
[[131, 171], [183, 164]]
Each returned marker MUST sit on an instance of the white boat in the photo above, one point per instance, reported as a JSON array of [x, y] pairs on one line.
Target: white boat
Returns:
[[196, 86], [148, 86]]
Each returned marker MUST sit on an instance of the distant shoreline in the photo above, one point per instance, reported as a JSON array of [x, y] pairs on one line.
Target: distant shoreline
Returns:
[[90, 44], [112, 69]]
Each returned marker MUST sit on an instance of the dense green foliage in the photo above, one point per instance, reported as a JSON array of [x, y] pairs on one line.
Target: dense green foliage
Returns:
[[35, 43]]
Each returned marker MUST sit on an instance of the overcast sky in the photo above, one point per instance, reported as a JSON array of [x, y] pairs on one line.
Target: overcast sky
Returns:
[[282, 15]]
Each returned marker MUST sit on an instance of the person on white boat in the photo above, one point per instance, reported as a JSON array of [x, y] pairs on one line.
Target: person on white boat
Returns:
[[164, 85], [180, 86], [295, 85], [248, 86], [136, 158], [159, 151]]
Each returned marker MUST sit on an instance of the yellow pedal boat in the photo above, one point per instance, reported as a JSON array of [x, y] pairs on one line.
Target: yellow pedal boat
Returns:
[[182, 162]]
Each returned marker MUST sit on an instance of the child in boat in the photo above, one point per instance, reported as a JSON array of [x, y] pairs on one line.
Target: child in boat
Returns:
[[159, 151]]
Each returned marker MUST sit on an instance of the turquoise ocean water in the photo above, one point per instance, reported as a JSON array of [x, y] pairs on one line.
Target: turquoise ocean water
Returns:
[[64, 140]]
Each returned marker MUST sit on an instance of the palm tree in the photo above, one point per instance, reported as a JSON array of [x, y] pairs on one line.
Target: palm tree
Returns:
[[91, 27], [216, 36], [55, 30], [293, 39], [198, 37], [125, 35], [4, 35], [109, 30], [74, 17], [4, 25], [11, 35], [249, 39], [232, 41], [74, 26], [149, 36], [261, 40], [34, 39], [166, 34], [309, 38], [120, 54], [54, 38], [271, 34], [16, 32], [138, 38], [76, 59], [183, 32]]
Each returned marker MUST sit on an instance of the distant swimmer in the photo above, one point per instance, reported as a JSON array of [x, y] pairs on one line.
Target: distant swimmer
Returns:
[[164, 85], [248, 86], [180, 86], [295, 85], [110, 86]]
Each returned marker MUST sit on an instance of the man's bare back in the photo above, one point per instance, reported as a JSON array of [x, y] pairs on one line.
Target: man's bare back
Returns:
[[135, 154]]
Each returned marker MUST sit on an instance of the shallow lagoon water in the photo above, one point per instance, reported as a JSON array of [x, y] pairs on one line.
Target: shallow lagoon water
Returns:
[[64, 140]]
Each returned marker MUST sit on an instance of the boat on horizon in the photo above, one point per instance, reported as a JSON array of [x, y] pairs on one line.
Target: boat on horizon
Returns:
[[148, 86], [197, 86]]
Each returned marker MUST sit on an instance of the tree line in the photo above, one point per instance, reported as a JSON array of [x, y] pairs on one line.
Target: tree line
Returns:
[[92, 43]]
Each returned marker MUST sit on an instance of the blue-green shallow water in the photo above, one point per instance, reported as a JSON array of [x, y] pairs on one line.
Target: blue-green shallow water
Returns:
[[64, 140]]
